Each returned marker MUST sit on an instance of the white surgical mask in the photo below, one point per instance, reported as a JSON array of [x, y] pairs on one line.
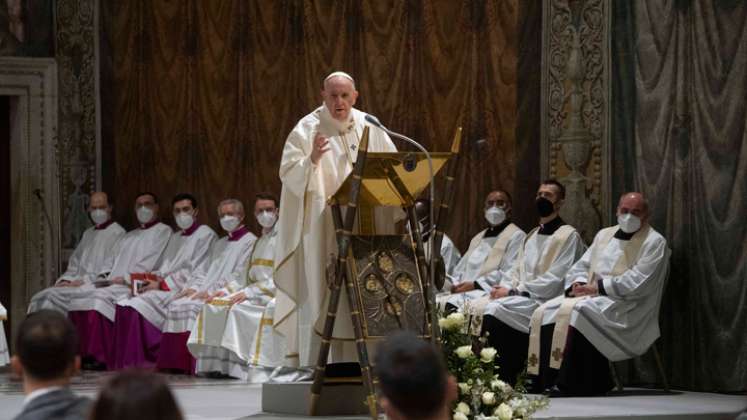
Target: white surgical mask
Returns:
[[229, 223], [267, 219], [495, 215], [99, 216], [184, 220], [628, 222], [144, 214]]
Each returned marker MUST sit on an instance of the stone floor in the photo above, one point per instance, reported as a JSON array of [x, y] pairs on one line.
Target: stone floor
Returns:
[[223, 399]]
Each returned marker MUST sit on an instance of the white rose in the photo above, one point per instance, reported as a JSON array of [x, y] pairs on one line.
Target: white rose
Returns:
[[464, 388], [488, 354], [504, 412], [499, 385], [457, 319], [488, 398], [443, 323], [464, 351], [459, 416], [462, 408]]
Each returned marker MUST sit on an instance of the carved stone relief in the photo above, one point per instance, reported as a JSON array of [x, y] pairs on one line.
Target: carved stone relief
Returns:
[[77, 56], [575, 93]]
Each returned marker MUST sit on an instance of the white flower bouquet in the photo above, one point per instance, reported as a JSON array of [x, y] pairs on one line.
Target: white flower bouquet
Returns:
[[482, 394]]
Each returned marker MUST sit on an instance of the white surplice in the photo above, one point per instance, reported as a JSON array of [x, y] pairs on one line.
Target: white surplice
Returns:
[[306, 235], [4, 354], [184, 255], [538, 273], [623, 323], [93, 256], [139, 252], [474, 265], [239, 340], [449, 253], [226, 265]]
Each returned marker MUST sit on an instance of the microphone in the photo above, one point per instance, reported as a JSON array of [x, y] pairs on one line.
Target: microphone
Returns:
[[38, 193], [409, 166]]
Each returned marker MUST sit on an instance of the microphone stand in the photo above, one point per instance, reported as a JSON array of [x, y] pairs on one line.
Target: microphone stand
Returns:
[[55, 252]]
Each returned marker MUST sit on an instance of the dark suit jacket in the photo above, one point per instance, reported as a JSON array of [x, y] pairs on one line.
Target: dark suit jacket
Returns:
[[61, 404]]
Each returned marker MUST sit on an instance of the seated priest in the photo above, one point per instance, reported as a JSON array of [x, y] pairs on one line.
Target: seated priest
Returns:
[[610, 308], [4, 353], [449, 252], [233, 335], [490, 256], [93, 256], [139, 252], [537, 276], [228, 258], [139, 320]]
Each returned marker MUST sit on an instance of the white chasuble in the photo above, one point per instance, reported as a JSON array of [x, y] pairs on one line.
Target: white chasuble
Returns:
[[239, 340], [187, 252], [306, 236], [93, 256], [139, 252]]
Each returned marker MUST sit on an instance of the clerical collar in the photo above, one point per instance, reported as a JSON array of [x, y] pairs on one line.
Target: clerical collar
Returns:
[[550, 227], [496, 230], [104, 225], [237, 234], [190, 230], [149, 224], [624, 236]]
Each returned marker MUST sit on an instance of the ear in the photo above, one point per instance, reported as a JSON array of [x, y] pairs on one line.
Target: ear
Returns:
[[355, 96], [16, 366], [451, 390], [197, 211]]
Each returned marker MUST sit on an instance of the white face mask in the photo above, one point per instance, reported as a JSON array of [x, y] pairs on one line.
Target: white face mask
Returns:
[[229, 223], [267, 219], [495, 215], [184, 220], [628, 222], [144, 214], [99, 216]]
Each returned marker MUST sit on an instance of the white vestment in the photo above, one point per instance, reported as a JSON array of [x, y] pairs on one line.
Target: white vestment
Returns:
[[449, 253], [539, 272], [226, 265], [625, 321], [487, 262], [184, 255], [239, 340], [139, 252], [93, 256], [4, 354], [306, 235]]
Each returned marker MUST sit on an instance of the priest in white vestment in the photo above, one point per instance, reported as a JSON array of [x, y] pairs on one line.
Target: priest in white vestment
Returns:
[[317, 157], [139, 320], [139, 251], [93, 256], [4, 353], [233, 335], [490, 256], [611, 306], [537, 276], [228, 258]]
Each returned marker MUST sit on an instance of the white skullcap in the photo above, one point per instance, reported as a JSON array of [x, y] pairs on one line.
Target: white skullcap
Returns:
[[339, 74]]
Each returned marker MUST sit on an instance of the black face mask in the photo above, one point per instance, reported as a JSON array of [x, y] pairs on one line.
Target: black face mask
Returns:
[[545, 207]]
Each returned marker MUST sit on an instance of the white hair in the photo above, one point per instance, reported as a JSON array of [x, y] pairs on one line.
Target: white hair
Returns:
[[339, 74], [235, 202]]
